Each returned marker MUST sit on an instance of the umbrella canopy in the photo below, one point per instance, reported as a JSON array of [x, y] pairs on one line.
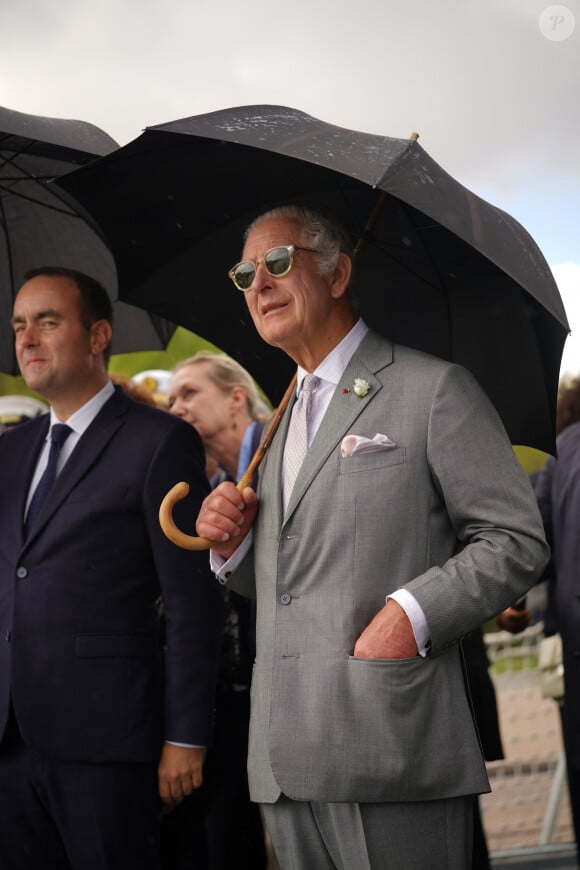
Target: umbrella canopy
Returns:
[[40, 225], [440, 269]]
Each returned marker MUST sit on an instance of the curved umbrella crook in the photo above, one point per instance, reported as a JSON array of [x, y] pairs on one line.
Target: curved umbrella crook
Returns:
[[180, 490]]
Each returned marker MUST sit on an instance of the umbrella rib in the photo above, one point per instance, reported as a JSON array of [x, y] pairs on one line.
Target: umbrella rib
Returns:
[[44, 181], [26, 176], [32, 178], [34, 201], [6, 161], [4, 222], [405, 265]]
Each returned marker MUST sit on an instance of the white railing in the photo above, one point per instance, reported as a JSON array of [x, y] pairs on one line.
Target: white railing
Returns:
[[529, 805]]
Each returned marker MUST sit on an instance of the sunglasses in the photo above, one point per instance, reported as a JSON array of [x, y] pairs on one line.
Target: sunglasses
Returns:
[[278, 262]]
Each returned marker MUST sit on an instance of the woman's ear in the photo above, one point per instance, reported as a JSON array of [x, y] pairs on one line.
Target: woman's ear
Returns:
[[238, 398]]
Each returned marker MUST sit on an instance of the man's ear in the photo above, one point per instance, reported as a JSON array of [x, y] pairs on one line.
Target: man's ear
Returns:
[[340, 276], [101, 335]]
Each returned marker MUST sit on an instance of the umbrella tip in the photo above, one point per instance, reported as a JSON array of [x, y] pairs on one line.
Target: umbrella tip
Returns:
[[414, 136]]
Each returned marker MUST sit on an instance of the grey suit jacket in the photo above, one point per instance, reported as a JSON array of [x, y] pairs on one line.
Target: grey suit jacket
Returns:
[[449, 514]]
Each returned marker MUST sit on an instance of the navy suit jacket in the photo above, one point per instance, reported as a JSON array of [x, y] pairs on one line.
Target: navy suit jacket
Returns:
[[80, 650], [557, 488]]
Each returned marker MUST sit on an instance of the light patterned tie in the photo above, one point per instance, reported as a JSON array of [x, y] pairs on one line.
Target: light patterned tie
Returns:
[[297, 437]]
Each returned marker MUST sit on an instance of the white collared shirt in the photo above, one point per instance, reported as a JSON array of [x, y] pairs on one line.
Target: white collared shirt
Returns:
[[330, 371], [78, 422]]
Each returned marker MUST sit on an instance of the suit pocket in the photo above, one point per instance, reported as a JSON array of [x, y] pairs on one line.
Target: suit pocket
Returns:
[[372, 461], [374, 730], [115, 646]]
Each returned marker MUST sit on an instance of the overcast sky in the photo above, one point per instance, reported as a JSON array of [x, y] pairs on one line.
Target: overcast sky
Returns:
[[492, 86]]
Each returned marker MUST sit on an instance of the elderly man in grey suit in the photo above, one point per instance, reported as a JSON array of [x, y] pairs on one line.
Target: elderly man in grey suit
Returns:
[[408, 524]]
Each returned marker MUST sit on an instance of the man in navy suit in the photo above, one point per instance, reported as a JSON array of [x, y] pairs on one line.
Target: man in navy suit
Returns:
[[99, 726], [557, 488]]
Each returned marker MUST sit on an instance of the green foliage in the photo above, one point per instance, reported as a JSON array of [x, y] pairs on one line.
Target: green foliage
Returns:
[[514, 664], [530, 458], [183, 344]]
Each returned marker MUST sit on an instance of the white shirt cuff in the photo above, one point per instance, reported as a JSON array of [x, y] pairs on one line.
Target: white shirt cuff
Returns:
[[185, 745], [416, 617], [224, 568]]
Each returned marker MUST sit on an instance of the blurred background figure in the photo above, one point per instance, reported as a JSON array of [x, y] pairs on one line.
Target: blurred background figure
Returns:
[[219, 397], [557, 488], [135, 390], [568, 407], [19, 409], [485, 712], [156, 382]]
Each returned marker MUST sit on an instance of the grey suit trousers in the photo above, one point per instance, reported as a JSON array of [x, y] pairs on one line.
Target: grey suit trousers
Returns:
[[426, 835]]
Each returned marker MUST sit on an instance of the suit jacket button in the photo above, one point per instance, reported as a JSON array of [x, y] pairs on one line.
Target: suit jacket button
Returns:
[[21, 572], [285, 598]]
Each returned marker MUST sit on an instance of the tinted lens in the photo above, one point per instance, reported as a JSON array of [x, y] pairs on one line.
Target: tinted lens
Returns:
[[244, 274], [278, 261]]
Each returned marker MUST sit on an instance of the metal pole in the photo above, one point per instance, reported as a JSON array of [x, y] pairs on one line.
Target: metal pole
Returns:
[[554, 800]]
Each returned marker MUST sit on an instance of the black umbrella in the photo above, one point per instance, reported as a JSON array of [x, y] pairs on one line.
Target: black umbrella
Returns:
[[440, 269], [40, 225]]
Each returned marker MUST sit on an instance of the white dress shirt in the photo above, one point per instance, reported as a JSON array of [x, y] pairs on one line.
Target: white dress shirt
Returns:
[[78, 422], [330, 372]]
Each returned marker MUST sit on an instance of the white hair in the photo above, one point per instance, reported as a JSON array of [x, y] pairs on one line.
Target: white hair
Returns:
[[317, 231]]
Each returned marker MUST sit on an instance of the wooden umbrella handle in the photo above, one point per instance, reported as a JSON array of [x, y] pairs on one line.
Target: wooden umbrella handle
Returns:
[[180, 490]]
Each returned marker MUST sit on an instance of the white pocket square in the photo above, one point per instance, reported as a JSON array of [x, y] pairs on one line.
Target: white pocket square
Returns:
[[353, 444]]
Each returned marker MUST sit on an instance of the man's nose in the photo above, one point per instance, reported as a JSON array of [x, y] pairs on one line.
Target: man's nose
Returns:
[[27, 335], [262, 278]]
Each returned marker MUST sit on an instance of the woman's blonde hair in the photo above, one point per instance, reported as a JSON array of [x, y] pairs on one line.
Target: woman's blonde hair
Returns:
[[226, 373]]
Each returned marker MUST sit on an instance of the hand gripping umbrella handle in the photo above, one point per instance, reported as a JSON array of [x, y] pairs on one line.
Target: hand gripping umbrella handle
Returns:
[[180, 490]]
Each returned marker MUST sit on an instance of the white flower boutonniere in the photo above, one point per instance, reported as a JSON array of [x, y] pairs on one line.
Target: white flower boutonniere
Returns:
[[361, 387]]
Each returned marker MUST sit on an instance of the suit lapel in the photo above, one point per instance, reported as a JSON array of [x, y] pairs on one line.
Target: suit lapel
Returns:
[[373, 354], [90, 446], [29, 443]]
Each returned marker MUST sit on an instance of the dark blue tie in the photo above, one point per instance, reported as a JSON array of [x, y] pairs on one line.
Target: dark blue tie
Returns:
[[58, 435]]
